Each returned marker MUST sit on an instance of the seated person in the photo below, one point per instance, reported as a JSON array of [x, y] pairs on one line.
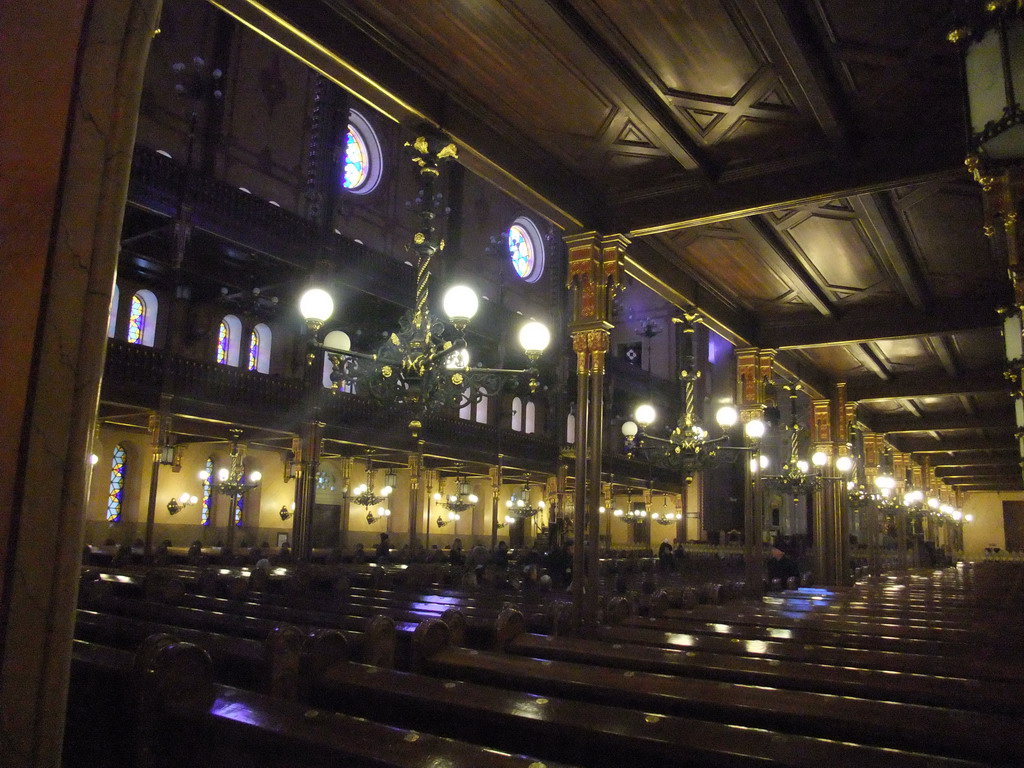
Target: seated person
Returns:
[[782, 566]]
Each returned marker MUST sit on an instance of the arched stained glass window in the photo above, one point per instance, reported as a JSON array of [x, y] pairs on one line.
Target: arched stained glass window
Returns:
[[259, 348], [229, 340], [239, 508], [254, 349], [481, 407], [206, 514], [115, 497], [223, 343], [142, 318], [530, 422], [526, 249], [362, 161], [137, 320], [517, 414]]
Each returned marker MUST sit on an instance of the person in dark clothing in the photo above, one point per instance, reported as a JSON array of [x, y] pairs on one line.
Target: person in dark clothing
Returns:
[[560, 565], [383, 551], [665, 560], [781, 566]]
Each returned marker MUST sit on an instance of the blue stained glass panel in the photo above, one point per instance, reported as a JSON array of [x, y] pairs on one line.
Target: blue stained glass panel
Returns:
[[521, 251], [137, 320], [116, 492], [356, 160]]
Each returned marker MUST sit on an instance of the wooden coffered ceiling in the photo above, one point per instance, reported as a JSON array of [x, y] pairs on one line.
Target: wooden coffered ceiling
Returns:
[[792, 167]]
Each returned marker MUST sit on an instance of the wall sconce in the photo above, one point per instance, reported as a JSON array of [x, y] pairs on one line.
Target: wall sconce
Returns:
[[287, 513], [453, 517], [174, 506], [382, 513]]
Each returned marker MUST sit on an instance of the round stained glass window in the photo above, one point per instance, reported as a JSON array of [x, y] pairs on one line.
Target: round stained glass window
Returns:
[[526, 249], [361, 163], [356, 163]]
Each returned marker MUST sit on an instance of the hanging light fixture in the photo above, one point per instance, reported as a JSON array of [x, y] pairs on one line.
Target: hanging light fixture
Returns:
[[461, 500], [688, 448], [635, 511], [425, 363], [519, 505], [232, 480], [795, 477], [666, 517], [365, 495]]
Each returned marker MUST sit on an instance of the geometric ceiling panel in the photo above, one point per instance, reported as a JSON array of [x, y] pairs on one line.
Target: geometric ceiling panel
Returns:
[[838, 252], [735, 268], [692, 47], [905, 354], [944, 223]]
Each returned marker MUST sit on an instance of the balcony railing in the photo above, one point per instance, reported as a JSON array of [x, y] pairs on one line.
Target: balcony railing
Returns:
[[136, 375]]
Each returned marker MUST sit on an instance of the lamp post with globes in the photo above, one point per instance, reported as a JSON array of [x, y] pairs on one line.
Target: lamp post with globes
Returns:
[[424, 365]]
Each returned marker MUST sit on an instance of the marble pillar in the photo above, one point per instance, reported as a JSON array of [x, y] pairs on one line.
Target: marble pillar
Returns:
[[71, 83]]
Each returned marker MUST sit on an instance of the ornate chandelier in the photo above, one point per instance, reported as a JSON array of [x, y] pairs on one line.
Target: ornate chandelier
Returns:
[[688, 448], [425, 363], [461, 500], [795, 477], [231, 480], [365, 495], [519, 505], [634, 513], [666, 518]]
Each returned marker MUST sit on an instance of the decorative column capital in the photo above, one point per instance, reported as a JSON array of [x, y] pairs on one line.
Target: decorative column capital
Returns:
[[595, 275]]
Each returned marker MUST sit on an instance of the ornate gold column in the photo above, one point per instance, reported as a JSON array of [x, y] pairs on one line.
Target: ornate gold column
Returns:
[[823, 522], [848, 416], [594, 276], [874, 444], [903, 465], [753, 375], [305, 490], [159, 427], [495, 475], [415, 497]]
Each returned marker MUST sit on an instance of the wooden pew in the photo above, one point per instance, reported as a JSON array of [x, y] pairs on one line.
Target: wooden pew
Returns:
[[816, 654], [177, 717], [373, 639], [590, 734], [946, 691], [968, 735]]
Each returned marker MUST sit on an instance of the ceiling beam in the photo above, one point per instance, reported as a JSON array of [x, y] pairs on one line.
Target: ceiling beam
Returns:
[[999, 471], [867, 355], [885, 234], [943, 349], [654, 211], [916, 385], [877, 323], [778, 24], [639, 87], [906, 444], [765, 239], [983, 486], [973, 459], [946, 421]]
